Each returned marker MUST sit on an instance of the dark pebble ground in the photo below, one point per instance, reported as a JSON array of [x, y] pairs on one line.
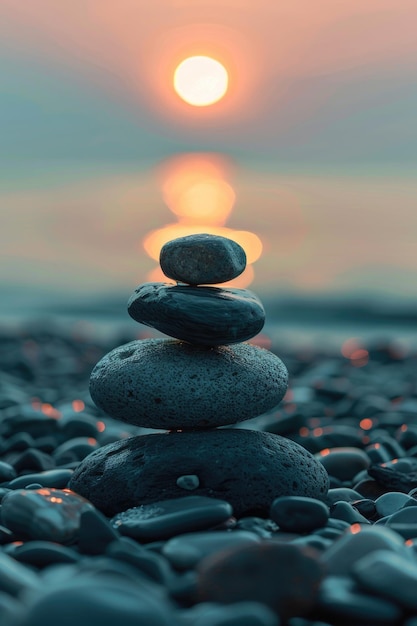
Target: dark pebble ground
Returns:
[[350, 560]]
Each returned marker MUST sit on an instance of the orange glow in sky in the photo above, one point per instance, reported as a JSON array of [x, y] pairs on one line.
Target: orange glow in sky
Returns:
[[200, 80], [196, 190]]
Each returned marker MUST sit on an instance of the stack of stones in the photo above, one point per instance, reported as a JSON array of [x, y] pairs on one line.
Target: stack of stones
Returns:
[[192, 386]]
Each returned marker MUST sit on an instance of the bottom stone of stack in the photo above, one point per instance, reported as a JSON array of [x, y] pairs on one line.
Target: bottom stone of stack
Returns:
[[247, 468]]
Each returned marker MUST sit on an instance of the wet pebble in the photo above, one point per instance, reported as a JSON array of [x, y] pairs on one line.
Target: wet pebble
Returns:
[[47, 514], [164, 519], [299, 514]]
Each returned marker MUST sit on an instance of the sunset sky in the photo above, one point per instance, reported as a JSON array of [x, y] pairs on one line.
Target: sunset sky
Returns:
[[315, 141]]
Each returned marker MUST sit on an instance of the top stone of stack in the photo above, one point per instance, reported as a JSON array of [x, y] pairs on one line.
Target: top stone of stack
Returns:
[[202, 259]]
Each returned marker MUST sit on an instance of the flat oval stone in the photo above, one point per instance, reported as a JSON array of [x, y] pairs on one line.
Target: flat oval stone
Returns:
[[208, 316], [248, 469], [202, 259], [48, 514], [345, 462], [161, 520], [391, 502], [187, 550], [357, 542], [166, 384], [299, 514], [44, 553], [56, 478]]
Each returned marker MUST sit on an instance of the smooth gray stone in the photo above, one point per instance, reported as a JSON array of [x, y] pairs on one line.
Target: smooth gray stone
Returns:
[[209, 316], [345, 462], [346, 512], [56, 478], [390, 502], [389, 575], [164, 519], [404, 522], [103, 599], [340, 602], [247, 468], [187, 550], [168, 384], [299, 514], [202, 259], [355, 543]]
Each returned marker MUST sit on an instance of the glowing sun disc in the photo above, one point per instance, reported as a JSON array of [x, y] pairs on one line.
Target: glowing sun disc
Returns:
[[200, 81]]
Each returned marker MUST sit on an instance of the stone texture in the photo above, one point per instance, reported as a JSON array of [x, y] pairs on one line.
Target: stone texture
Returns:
[[167, 384], [205, 315], [202, 259], [249, 469]]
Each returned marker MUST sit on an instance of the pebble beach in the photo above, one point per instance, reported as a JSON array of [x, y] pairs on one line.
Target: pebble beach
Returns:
[[211, 478], [349, 559]]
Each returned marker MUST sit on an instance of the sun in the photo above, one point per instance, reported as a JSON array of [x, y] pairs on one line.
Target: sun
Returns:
[[201, 81]]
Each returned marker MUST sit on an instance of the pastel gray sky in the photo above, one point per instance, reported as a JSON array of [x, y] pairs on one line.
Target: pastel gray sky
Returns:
[[320, 127]]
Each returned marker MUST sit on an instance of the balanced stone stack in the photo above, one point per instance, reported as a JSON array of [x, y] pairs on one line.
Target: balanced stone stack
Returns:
[[205, 378]]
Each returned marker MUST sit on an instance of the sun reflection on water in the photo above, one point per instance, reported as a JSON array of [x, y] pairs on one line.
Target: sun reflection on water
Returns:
[[198, 191]]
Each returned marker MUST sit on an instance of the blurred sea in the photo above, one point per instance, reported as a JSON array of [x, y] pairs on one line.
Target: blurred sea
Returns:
[[291, 320]]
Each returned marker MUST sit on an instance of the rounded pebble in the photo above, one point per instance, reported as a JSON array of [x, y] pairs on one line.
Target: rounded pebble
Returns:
[[166, 384], [202, 259], [343, 463], [209, 316], [246, 468], [299, 514]]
